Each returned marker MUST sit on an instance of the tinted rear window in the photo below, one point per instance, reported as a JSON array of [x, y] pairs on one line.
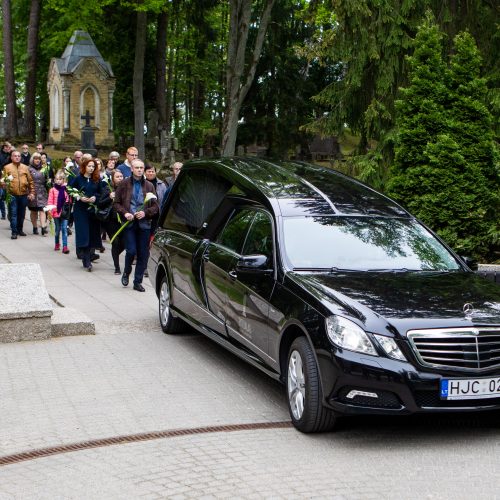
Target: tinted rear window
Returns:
[[194, 200]]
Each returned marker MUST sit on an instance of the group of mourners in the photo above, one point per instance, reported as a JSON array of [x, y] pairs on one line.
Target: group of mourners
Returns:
[[120, 200]]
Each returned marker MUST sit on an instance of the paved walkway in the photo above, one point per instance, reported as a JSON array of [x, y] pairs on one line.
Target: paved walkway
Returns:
[[130, 378]]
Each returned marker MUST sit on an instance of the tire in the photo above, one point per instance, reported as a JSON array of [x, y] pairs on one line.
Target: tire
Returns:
[[303, 390], [169, 324]]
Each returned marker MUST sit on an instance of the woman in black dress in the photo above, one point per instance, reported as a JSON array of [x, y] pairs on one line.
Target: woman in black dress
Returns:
[[112, 224], [88, 234]]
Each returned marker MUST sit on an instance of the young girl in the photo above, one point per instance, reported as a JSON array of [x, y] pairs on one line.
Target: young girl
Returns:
[[58, 196]]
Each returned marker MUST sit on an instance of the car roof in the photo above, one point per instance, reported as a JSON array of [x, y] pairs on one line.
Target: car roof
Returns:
[[300, 188]]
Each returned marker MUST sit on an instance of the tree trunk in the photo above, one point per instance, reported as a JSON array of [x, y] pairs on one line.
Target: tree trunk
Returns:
[[170, 78], [238, 83], [31, 65], [161, 70], [8, 60], [140, 51]]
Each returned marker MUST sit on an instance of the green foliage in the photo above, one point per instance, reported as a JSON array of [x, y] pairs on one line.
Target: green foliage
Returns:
[[279, 102], [470, 118], [369, 41], [444, 170], [421, 109]]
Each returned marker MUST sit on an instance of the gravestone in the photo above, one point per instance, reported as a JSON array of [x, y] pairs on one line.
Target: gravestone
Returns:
[[88, 136], [164, 148], [152, 125]]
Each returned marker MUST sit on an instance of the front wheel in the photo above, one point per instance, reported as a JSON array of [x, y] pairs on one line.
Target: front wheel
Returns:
[[168, 323], [303, 388]]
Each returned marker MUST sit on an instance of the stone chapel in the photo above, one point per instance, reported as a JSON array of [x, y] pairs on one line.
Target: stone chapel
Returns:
[[80, 81]]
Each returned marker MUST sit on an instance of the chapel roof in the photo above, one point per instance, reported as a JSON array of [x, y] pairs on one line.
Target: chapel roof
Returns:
[[80, 46]]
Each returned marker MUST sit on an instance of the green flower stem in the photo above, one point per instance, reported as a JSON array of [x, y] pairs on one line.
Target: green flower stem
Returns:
[[120, 230]]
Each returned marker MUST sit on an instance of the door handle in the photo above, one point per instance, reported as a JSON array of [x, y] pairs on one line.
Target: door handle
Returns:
[[233, 275]]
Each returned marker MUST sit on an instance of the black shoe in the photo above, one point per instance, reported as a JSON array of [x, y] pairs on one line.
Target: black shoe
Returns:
[[69, 231], [139, 287], [93, 257], [125, 279], [89, 269], [44, 231], [13, 236], [118, 270], [102, 250], [35, 230], [3, 217], [21, 233]]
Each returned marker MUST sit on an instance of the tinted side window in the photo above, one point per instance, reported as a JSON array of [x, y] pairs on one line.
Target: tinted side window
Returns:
[[235, 230], [260, 237], [198, 194]]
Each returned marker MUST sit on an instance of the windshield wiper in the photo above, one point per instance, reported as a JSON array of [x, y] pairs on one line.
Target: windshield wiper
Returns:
[[393, 270], [317, 269], [326, 269]]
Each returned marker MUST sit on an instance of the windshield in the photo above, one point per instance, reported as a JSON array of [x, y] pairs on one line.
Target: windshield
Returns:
[[363, 243]]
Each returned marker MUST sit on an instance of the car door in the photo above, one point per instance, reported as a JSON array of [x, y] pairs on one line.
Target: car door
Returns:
[[196, 196], [219, 260], [250, 289]]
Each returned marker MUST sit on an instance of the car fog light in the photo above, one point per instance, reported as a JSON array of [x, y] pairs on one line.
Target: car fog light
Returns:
[[390, 347], [352, 394], [348, 335]]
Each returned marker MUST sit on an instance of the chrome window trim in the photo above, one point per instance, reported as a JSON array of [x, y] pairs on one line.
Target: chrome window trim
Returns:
[[464, 332]]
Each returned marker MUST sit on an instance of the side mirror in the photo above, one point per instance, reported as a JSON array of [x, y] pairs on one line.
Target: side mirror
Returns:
[[470, 263], [253, 263]]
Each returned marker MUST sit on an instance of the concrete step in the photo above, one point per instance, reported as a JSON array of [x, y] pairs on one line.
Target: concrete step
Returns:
[[68, 321], [25, 306], [26, 311]]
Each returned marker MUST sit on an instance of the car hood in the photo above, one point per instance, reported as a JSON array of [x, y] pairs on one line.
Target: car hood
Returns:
[[407, 300]]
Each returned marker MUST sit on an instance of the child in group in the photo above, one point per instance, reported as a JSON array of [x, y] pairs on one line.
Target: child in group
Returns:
[[58, 197]]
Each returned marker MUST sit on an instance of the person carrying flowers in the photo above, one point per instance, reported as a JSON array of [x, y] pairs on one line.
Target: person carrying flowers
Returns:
[[85, 189], [136, 202], [111, 225], [37, 204], [59, 202], [17, 179]]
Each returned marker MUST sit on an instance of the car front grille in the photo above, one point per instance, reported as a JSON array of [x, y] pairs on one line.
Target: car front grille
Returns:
[[465, 349]]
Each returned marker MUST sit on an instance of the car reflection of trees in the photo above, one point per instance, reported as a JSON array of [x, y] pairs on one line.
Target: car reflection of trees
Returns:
[[347, 196], [390, 234], [199, 197]]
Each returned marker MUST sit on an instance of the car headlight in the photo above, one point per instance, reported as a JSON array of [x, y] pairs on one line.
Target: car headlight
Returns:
[[390, 347], [348, 335]]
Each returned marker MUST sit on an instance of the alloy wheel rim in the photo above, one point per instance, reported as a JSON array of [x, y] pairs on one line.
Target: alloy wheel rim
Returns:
[[296, 385], [164, 304]]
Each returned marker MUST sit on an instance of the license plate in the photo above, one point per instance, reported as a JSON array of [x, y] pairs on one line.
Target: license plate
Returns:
[[470, 388]]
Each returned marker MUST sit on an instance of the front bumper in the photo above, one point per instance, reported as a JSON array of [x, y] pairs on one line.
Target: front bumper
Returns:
[[359, 384]]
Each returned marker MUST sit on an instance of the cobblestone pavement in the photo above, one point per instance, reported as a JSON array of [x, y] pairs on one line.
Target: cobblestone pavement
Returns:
[[131, 378], [364, 463]]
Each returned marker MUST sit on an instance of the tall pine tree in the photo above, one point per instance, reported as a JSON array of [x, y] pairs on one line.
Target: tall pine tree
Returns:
[[471, 120], [444, 168]]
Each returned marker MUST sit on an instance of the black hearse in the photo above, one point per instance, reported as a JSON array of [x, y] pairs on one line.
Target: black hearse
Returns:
[[328, 286]]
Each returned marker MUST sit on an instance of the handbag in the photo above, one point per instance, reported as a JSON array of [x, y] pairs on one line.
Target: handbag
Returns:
[[102, 214], [66, 210]]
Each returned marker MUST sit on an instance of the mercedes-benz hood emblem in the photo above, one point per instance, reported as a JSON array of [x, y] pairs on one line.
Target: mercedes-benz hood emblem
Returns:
[[468, 310]]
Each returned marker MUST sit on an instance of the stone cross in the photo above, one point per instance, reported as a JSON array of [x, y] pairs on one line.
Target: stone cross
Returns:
[[87, 118]]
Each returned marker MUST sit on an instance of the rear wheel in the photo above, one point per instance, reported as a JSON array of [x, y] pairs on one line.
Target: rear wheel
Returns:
[[304, 394], [168, 323]]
